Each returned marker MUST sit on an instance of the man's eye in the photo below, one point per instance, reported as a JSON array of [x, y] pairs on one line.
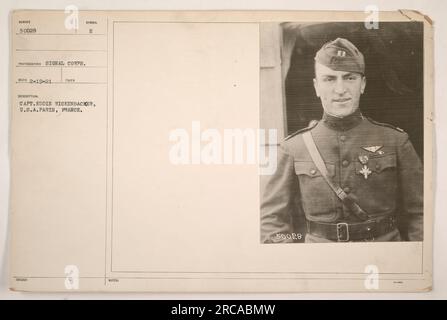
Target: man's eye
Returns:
[[328, 79], [352, 78]]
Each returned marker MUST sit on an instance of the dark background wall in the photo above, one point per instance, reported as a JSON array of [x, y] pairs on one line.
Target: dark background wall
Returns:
[[394, 72]]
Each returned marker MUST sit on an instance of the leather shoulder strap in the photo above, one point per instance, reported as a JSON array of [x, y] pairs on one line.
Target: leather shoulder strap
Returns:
[[315, 155], [319, 163]]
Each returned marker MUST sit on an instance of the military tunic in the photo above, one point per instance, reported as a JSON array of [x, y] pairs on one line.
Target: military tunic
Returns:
[[391, 185]]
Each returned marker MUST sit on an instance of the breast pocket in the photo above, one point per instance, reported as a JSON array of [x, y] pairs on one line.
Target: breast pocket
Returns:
[[376, 183], [377, 165], [317, 197]]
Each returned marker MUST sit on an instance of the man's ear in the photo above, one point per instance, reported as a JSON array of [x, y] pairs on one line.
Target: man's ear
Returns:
[[363, 85], [316, 87]]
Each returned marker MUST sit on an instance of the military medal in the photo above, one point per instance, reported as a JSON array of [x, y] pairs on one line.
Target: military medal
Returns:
[[365, 171], [363, 159]]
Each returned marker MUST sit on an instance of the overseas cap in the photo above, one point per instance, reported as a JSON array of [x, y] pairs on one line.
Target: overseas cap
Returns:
[[341, 55]]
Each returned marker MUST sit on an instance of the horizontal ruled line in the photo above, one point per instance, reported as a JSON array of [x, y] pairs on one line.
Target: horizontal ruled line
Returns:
[[62, 50], [79, 67], [224, 278], [61, 83], [61, 34]]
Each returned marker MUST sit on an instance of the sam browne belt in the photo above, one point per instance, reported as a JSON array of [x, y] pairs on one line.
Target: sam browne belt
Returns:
[[319, 163], [342, 231], [369, 228]]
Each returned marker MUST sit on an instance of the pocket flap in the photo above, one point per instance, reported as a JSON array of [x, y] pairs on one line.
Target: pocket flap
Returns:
[[378, 164], [308, 168]]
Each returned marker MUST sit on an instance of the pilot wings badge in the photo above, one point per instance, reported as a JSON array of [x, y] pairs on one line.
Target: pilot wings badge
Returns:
[[372, 149]]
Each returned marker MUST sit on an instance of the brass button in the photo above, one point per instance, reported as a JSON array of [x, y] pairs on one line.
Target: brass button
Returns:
[[313, 171], [347, 189], [345, 163], [342, 138]]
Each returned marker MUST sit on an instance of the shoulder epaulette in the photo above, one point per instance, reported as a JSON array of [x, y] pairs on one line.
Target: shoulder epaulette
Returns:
[[385, 125], [311, 125]]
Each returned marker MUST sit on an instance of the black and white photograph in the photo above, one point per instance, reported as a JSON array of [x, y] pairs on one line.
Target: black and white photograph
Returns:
[[347, 101]]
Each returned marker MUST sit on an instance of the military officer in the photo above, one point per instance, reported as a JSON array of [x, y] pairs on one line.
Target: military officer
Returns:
[[353, 179]]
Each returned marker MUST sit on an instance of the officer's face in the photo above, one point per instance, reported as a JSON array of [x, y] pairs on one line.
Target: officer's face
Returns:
[[339, 91]]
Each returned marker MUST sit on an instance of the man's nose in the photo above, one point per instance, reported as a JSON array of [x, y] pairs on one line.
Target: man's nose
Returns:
[[339, 86]]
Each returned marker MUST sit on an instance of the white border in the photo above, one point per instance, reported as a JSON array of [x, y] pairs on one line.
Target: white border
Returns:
[[435, 9]]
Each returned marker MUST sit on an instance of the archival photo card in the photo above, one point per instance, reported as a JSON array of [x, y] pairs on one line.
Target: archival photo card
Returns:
[[221, 151]]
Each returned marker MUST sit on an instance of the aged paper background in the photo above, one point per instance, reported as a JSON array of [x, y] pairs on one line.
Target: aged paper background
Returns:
[[214, 232]]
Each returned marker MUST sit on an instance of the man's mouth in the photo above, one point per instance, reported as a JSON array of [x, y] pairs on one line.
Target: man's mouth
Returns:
[[341, 100]]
